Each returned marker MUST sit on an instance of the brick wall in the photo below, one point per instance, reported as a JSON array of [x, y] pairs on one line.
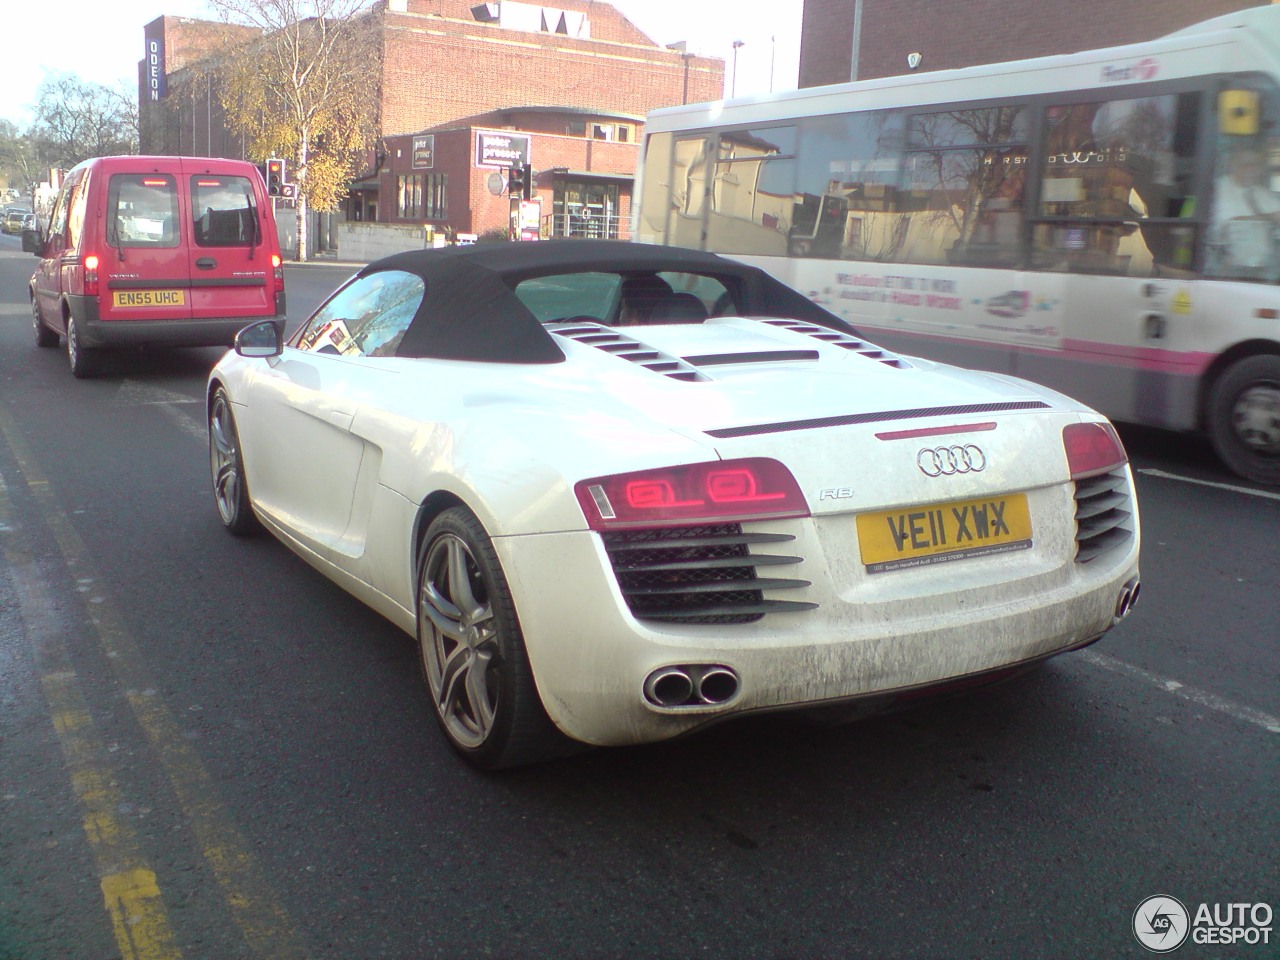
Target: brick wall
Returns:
[[966, 32], [438, 69]]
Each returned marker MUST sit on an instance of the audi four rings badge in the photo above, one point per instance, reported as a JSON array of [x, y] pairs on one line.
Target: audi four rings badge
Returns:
[[947, 461]]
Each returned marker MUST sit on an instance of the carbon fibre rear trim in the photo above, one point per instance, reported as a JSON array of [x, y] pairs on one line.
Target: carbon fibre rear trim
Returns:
[[878, 417]]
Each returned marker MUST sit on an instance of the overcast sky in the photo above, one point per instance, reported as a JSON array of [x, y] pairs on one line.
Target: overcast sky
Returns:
[[101, 40]]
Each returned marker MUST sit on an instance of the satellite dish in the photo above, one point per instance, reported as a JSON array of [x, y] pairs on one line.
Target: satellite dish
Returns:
[[497, 183]]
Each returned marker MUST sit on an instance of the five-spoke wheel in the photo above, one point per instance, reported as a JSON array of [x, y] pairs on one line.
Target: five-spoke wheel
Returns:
[[473, 654], [230, 491]]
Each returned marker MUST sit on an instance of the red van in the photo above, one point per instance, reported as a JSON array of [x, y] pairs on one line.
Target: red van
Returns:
[[178, 251]]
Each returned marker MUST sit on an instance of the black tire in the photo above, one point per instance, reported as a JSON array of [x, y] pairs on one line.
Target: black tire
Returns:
[[1244, 418], [226, 465], [472, 651], [83, 361], [44, 336]]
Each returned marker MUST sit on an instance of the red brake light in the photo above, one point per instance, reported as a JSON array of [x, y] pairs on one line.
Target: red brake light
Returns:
[[155, 183], [722, 490], [91, 275], [1092, 448]]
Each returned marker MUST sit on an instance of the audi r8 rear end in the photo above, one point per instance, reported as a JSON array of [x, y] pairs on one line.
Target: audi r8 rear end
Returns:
[[616, 520]]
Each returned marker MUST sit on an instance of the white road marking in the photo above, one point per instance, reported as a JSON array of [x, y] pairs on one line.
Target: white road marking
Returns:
[[1210, 483], [1191, 694]]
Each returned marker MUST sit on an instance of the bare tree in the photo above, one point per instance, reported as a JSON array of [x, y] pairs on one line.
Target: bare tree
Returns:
[[307, 89], [75, 120]]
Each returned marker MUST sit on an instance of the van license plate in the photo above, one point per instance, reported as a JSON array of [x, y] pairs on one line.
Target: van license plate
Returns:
[[149, 298], [939, 532]]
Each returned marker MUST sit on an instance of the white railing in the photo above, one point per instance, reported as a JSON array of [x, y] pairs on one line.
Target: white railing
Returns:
[[589, 227]]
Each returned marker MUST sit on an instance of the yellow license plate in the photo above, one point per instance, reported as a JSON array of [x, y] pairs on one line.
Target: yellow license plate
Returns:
[[149, 298], [939, 532]]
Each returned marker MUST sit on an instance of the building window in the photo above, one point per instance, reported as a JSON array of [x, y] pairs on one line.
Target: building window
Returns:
[[601, 131], [422, 196]]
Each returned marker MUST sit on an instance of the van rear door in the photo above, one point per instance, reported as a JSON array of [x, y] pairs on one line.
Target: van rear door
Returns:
[[145, 271], [231, 270]]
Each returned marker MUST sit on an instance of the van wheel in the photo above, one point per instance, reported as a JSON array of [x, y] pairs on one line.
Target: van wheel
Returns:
[[1244, 418], [44, 336], [84, 362]]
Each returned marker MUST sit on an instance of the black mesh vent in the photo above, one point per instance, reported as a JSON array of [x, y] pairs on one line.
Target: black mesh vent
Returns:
[[1102, 510], [703, 574], [849, 342], [627, 348]]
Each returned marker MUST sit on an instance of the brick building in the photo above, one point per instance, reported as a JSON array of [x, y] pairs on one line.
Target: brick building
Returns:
[[844, 40], [572, 82]]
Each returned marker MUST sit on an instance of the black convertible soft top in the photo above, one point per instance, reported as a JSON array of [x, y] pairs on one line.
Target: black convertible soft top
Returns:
[[470, 310]]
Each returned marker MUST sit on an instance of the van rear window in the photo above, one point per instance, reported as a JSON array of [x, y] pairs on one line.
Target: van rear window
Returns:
[[224, 211], [142, 210]]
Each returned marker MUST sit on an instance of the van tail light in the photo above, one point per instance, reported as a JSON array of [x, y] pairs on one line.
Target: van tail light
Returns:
[[749, 489], [91, 275], [1092, 448], [277, 268]]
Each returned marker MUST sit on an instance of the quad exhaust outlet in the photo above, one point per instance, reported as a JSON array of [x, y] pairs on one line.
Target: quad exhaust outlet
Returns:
[[1128, 598], [691, 685]]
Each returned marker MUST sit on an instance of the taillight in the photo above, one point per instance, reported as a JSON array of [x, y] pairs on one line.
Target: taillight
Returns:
[[91, 275], [1092, 448], [747, 489], [278, 269]]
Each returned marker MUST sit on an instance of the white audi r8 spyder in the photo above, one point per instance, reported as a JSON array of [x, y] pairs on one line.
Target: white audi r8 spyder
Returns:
[[618, 492]]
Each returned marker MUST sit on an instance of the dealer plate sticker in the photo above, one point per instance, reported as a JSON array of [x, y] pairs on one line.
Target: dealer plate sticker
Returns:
[[941, 532], [149, 298]]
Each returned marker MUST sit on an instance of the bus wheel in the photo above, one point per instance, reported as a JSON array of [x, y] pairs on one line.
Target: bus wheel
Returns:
[[1244, 418]]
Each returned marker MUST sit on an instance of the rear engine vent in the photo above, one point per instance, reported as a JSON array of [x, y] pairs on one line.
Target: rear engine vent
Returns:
[[610, 341], [701, 574], [849, 342], [1102, 515]]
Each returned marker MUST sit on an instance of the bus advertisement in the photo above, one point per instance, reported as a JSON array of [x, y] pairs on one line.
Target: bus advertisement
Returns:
[[1106, 223]]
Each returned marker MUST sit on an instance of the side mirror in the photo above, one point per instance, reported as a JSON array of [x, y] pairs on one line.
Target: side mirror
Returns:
[[260, 340], [32, 242]]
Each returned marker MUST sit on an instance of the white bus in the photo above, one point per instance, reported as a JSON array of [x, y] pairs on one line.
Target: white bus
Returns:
[[1102, 222]]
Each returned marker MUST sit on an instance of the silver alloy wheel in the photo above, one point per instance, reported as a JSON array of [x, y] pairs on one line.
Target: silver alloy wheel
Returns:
[[223, 459], [73, 344], [1256, 418], [461, 651]]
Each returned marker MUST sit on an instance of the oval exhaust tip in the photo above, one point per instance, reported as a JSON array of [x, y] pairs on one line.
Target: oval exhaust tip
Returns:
[[668, 687], [718, 685]]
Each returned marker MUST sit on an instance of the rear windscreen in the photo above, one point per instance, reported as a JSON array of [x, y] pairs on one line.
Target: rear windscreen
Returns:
[[142, 210], [223, 211]]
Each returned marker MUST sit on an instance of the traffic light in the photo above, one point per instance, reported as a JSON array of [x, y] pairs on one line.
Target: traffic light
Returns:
[[517, 185], [527, 177], [275, 177]]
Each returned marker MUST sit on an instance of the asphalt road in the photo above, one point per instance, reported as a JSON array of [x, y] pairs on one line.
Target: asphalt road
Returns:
[[207, 751]]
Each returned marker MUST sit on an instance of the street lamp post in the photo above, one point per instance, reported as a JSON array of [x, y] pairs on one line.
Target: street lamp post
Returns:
[[733, 89]]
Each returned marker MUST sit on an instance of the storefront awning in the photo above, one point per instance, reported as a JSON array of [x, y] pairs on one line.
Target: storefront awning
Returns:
[[563, 173]]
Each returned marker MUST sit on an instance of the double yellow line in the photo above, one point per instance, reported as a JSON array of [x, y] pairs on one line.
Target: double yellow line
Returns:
[[132, 892]]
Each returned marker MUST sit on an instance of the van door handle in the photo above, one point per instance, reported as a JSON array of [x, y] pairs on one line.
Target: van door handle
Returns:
[[206, 263]]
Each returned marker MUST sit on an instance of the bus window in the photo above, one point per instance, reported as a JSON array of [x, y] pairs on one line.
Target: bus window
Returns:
[[846, 186], [688, 192], [752, 193], [1117, 176], [1244, 216], [656, 189], [964, 177]]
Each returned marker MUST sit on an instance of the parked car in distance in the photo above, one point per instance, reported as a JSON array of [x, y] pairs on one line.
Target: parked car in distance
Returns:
[[13, 218], [172, 251], [620, 491]]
